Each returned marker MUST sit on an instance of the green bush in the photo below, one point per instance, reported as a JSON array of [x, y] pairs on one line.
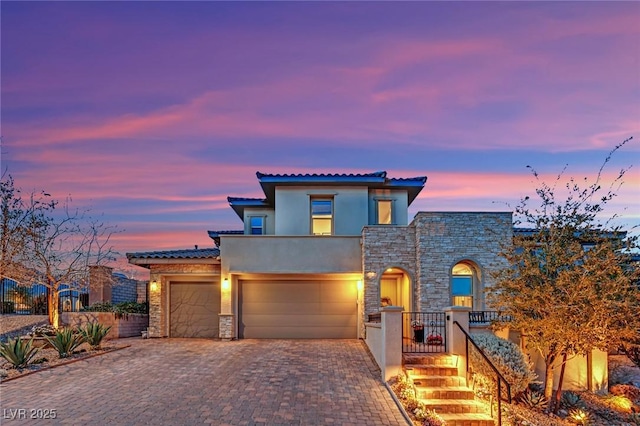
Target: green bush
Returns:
[[93, 333], [120, 309], [506, 357], [18, 352], [65, 341]]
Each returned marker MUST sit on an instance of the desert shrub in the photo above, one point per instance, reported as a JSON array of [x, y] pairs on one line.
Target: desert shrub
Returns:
[[633, 353], [93, 333], [65, 341], [42, 330], [506, 357], [631, 392], [580, 417], [18, 352], [428, 417]]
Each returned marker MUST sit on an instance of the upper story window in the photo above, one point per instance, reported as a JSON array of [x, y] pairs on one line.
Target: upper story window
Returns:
[[462, 285], [385, 216], [256, 225], [322, 216]]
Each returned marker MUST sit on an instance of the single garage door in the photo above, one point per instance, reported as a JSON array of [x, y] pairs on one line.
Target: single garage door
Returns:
[[194, 308], [297, 309]]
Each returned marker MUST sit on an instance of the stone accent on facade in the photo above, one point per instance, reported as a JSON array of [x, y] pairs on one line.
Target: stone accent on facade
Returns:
[[427, 250], [227, 329], [385, 247], [158, 300], [446, 238]]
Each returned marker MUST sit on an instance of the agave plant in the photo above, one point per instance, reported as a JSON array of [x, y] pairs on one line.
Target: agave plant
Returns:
[[65, 341], [534, 400], [571, 400], [93, 333], [18, 352]]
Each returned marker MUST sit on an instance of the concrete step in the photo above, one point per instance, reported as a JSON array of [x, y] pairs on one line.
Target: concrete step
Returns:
[[413, 370], [468, 419], [437, 381], [444, 392], [456, 406], [444, 360]]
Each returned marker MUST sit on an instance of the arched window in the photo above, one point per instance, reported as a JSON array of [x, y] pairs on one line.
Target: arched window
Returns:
[[462, 276]]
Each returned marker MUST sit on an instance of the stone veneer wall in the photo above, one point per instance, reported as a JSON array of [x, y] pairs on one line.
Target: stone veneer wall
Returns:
[[158, 304], [445, 238], [428, 248], [385, 247]]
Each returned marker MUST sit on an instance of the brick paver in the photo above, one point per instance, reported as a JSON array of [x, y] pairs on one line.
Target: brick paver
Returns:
[[199, 381]]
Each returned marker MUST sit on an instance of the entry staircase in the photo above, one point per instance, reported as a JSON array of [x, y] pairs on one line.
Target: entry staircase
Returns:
[[437, 384]]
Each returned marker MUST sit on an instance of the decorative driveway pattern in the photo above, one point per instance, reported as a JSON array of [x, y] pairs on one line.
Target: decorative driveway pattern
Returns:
[[200, 381]]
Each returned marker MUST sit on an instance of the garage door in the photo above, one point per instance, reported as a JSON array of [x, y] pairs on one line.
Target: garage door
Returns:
[[194, 308], [297, 310]]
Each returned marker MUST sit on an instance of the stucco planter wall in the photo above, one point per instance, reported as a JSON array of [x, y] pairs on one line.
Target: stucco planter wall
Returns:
[[129, 325]]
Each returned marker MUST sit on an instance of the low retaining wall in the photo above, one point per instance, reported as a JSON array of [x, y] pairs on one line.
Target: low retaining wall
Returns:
[[129, 325]]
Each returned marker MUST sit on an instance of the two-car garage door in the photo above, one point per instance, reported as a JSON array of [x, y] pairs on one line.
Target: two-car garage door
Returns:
[[297, 309]]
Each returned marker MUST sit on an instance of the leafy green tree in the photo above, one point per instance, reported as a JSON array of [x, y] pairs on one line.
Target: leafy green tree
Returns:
[[571, 287]]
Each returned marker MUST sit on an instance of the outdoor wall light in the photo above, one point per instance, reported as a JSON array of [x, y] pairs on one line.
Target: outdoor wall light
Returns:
[[371, 274], [225, 284], [154, 285]]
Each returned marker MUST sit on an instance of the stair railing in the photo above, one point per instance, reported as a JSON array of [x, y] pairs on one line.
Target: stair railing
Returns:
[[499, 377]]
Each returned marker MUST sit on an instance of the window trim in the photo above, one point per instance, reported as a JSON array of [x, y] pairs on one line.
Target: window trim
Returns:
[[331, 200], [262, 226], [391, 208]]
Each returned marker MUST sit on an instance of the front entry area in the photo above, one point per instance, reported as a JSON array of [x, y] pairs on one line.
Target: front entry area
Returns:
[[297, 309], [194, 309]]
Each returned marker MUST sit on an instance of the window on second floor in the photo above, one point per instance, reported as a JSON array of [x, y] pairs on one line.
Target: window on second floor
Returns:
[[256, 225], [321, 216], [385, 216]]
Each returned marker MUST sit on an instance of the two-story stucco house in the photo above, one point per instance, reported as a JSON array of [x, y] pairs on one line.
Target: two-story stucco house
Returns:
[[317, 255]]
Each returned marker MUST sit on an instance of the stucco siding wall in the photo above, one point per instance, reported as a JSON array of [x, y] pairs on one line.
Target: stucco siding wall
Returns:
[[293, 216]]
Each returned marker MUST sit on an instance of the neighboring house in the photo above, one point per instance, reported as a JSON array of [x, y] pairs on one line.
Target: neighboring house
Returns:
[[316, 256]]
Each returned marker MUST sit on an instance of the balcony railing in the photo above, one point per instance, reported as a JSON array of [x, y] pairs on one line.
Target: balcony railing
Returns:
[[487, 317]]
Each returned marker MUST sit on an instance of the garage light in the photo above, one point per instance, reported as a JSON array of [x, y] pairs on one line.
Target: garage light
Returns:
[[225, 284], [154, 285]]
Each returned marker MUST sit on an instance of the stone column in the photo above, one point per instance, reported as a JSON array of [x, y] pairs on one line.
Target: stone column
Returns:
[[391, 341], [456, 340], [226, 318], [155, 305]]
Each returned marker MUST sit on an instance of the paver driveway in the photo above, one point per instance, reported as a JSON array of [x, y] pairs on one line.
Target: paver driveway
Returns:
[[198, 381]]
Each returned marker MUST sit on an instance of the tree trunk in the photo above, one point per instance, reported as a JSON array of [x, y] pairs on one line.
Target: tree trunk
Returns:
[[52, 304], [556, 402], [548, 380]]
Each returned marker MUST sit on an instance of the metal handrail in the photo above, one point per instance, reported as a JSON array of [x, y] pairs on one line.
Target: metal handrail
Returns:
[[493, 367]]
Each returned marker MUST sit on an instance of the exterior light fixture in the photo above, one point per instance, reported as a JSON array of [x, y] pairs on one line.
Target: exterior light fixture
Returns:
[[225, 284], [154, 285], [371, 275]]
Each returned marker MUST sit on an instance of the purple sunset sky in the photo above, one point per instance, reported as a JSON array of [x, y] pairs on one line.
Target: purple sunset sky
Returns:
[[154, 112]]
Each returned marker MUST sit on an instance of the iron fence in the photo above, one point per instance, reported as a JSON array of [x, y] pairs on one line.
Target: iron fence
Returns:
[[32, 300], [487, 317], [424, 332]]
